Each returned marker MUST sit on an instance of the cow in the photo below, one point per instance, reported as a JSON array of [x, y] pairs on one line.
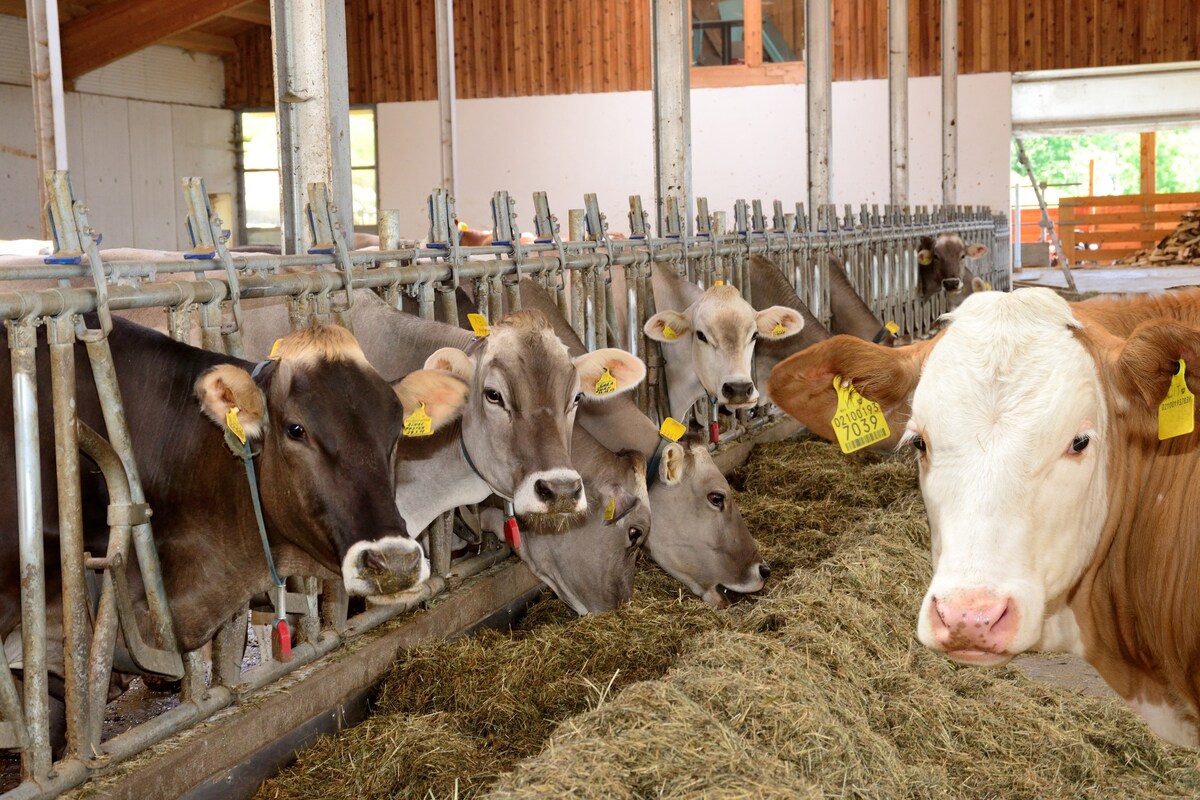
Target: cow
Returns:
[[1059, 519], [708, 339], [323, 424], [941, 266], [699, 536]]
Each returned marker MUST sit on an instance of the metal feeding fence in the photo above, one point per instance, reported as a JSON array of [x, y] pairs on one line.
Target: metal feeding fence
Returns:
[[206, 285]]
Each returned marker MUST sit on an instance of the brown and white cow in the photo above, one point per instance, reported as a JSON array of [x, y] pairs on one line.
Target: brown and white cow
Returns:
[[1060, 521], [942, 266]]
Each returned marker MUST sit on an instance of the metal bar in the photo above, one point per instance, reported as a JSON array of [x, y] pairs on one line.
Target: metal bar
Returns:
[[670, 64], [898, 98], [818, 38], [22, 340], [443, 12], [949, 102], [441, 535], [45, 67]]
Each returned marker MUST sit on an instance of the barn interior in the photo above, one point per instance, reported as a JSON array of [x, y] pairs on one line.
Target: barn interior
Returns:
[[798, 127]]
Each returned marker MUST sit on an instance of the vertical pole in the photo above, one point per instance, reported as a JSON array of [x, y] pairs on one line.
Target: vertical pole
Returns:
[[898, 97], [312, 106], [1148, 164], [444, 31], [818, 47], [670, 56], [949, 102], [45, 65]]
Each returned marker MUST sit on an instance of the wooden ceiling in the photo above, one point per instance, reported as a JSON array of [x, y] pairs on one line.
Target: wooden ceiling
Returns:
[[98, 32]]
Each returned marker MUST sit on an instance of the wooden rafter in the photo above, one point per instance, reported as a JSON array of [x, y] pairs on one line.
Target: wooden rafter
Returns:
[[117, 29], [257, 13], [201, 42]]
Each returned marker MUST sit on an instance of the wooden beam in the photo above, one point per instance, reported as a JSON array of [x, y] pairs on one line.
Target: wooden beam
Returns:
[[200, 42], [753, 37], [251, 12], [12, 8], [126, 26], [1149, 162]]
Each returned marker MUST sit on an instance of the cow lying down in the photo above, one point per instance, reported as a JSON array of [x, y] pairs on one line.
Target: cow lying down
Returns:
[[1057, 481]]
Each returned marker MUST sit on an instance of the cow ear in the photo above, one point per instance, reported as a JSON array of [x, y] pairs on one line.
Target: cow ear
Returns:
[[976, 250], [802, 385], [924, 257], [977, 285], [671, 464], [623, 502], [451, 359], [1149, 359], [226, 387], [778, 322], [667, 326], [442, 393], [608, 372]]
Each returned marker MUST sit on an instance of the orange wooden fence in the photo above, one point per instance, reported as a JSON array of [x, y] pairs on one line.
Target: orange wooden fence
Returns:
[[1110, 227]]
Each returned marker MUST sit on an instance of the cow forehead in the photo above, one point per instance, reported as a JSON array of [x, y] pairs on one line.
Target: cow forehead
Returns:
[[722, 311], [533, 358], [1008, 362]]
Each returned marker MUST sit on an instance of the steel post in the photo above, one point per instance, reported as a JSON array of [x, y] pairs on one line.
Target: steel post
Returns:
[[670, 64], [443, 12], [898, 98], [819, 88], [949, 102]]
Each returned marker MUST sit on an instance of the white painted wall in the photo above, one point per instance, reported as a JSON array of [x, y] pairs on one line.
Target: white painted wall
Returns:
[[127, 147], [748, 142]]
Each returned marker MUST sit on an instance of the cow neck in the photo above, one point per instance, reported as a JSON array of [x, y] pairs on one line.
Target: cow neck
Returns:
[[848, 313], [433, 476], [462, 444]]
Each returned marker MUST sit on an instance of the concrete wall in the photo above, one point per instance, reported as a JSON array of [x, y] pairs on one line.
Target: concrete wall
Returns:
[[748, 142], [127, 146]]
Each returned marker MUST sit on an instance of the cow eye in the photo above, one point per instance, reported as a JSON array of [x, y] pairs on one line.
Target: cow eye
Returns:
[[579, 398], [635, 535], [717, 499], [493, 397], [296, 432], [918, 443], [754, 336], [1080, 443], [700, 335]]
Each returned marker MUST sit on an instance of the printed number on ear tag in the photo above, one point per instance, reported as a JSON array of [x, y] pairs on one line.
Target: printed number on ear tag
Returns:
[[1176, 413], [669, 332], [235, 425], [672, 429], [479, 324], [607, 384], [418, 423], [610, 510], [892, 328], [858, 422], [778, 330]]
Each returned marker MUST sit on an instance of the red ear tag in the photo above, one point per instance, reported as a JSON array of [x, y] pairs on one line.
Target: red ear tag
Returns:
[[714, 433], [281, 641], [512, 534]]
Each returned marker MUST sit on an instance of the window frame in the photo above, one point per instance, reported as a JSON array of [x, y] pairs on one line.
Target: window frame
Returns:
[[754, 72]]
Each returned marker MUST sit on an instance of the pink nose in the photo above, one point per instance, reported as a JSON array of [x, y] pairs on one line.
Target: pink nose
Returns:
[[974, 620]]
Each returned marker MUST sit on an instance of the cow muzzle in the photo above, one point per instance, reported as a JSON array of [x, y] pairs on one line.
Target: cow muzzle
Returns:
[[385, 566], [554, 492], [952, 284], [739, 394], [973, 627]]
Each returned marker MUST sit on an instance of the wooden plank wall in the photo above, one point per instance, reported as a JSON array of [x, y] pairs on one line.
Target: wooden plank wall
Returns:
[[534, 47]]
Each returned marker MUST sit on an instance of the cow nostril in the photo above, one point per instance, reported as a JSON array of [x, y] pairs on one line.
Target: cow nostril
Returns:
[[576, 488], [737, 388], [764, 571], [543, 491], [373, 561]]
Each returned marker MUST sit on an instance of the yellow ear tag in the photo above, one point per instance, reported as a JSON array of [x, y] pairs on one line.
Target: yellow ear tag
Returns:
[[1176, 414], [607, 384], [778, 330], [987, 287], [275, 350], [235, 425], [672, 429], [892, 328], [858, 422], [610, 510], [669, 332], [925, 258], [479, 324], [418, 423], [718, 283]]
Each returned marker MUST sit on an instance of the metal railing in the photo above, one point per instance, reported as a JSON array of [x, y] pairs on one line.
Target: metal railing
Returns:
[[206, 285]]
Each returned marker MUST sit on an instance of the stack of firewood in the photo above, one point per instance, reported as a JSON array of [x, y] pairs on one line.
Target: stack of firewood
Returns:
[[1181, 246]]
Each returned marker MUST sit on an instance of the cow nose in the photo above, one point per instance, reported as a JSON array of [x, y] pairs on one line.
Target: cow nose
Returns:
[[373, 561], [976, 620], [764, 570], [551, 489], [952, 284], [732, 389]]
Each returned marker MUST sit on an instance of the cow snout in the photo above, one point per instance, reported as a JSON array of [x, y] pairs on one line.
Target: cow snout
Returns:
[[975, 627], [554, 491], [764, 571], [738, 392], [952, 284], [384, 566]]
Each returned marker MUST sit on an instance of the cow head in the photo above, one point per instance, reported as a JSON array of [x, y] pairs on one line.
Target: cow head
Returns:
[[325, 424], [699, 535], [591, 566], [714, 338], [940, 264], [520, 408]]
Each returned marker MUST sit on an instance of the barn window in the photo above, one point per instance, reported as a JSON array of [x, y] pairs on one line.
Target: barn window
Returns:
[[260, 174], [742, 42]]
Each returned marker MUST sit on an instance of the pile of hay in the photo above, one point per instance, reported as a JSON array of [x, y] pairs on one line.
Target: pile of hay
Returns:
[[817, 688]]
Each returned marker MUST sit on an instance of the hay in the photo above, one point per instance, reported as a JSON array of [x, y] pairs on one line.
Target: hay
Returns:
[[816, 688]]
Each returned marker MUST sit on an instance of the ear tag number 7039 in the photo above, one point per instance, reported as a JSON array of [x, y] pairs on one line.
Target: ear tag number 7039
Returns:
[[858, 422]]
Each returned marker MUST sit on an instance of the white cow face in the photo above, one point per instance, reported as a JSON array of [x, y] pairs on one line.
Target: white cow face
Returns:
[[717, 334], [1009, 426]]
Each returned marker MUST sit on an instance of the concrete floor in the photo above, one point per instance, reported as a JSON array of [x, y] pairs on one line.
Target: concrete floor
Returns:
[[1141, 279]]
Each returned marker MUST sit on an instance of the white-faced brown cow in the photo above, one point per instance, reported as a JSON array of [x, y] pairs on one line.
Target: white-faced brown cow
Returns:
[[1060, 521]]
